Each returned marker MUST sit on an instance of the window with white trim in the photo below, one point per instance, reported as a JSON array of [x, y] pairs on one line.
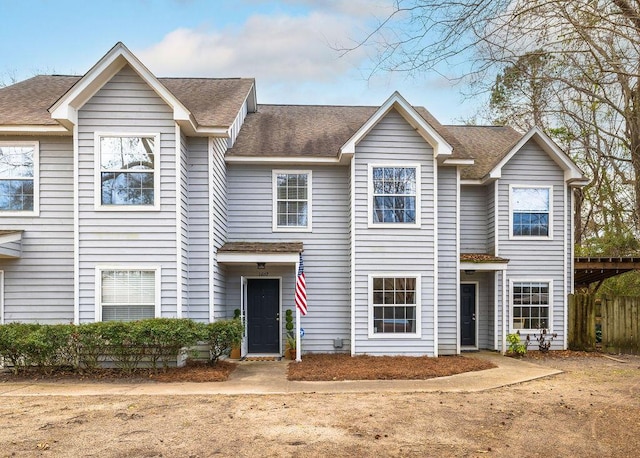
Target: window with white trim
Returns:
[[127, 294], [291, 200], [394, 303], [531, 304], [128, 175], [394, 195], [18, 177], [530, 211]]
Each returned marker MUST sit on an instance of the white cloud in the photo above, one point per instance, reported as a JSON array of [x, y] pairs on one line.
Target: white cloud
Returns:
[[272, 48]]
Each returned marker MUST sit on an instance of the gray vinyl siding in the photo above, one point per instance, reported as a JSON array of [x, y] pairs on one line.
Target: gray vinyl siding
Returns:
[[196, 305], [490, 194], [473, 219], [326, 248], [218, 195], [535, 259], [447, 262], [127, 238], [38, 286], [184, 235], [398, 251]]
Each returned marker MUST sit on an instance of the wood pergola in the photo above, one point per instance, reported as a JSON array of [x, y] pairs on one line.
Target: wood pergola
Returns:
[[589, 270]]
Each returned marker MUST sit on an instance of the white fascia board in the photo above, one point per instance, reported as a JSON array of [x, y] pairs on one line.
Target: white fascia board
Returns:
[[251, 258], [439, 144], [35, 130], [483, 266], [472, 182], [571, 170], [450, 161], [102, 72], [281, 160]]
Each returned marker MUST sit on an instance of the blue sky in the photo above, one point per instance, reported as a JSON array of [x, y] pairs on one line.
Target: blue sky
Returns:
[[288, 46]]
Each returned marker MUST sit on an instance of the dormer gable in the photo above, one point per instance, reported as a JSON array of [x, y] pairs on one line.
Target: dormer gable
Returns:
[[65, 109], [572, 173], [441, 148]]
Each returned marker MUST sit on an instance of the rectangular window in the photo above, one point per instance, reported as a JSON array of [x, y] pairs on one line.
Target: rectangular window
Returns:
[[395, 305], [127, 295], [18, 177], [394, 195], [292, 200], [531, 302], [127, 174], [530, 209]]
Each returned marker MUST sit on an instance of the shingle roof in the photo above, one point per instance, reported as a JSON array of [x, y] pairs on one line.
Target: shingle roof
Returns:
[[313, 130], [481, 258], [212, 102], [27, 102], [487, 144], [261, 247], [275, 130]]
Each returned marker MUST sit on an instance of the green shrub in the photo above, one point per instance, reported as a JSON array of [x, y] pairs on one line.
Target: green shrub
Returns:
[[516, 347], [48, 346], [91, 345], [166, 337], [221, 336], [14, 344]]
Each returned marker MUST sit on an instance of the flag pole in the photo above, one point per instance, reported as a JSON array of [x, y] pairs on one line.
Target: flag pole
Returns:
[[298, 349]]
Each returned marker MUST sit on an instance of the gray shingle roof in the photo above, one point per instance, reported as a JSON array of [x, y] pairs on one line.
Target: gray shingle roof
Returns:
[[487, 144], [275, 130], [313, 130], [213, 102]]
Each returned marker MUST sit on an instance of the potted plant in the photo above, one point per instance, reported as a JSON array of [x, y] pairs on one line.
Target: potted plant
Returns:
[[236, 353], [290, 349]]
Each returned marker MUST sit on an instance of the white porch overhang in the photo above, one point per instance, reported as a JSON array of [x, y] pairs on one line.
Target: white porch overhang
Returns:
[[10, 243], [278, 253], [482, 262]]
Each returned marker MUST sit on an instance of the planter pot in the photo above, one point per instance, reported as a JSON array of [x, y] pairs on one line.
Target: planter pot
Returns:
[[235, 353]]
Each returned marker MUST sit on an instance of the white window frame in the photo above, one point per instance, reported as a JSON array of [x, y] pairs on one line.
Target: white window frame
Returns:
[[512, 283], [98, 170], [274, 190], [511, 211], [370, 195], [98, 286], [36, 179], [418, 305]]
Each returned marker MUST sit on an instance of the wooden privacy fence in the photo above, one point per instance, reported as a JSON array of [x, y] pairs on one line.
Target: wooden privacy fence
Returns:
[[619, 322]]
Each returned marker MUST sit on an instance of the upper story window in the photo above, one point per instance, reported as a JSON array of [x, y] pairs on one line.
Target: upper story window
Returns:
[[291, 200], [127, 175], [394, 195], [531, 303], [394, 305], [531, 211], [19, 178], [127, 294]]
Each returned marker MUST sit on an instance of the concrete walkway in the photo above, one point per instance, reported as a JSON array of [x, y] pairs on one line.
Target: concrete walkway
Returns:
[[269, 377]]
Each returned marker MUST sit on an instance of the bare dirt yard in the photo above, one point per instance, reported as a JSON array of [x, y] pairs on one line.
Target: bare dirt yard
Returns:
[[592, 409]]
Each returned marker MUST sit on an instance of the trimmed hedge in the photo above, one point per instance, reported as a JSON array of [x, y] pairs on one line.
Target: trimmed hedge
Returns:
[[127, 344]]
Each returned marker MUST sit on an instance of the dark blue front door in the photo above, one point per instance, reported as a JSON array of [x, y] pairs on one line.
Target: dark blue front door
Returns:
[[468, 314], [263, 325]]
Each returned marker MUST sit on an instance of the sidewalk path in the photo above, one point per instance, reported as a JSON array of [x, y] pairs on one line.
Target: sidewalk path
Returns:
[[269, 377]]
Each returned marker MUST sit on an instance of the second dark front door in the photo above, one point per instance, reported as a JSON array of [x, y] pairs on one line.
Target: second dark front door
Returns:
[[263, 325], [468, 314]]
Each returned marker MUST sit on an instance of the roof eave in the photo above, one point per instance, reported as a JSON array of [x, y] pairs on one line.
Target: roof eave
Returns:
[[34, 129]]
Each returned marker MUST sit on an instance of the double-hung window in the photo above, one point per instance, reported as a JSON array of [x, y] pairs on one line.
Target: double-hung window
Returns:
[[19, 178], [127, 175], [127, 294], [531, 302], [394, 305], [292, 200], [531, 212], [394, 195]]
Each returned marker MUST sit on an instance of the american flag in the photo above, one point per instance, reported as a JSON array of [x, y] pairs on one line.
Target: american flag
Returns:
[[301, 289]]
